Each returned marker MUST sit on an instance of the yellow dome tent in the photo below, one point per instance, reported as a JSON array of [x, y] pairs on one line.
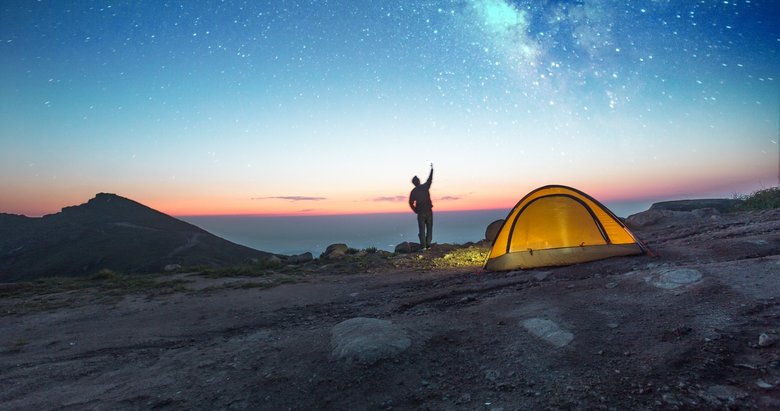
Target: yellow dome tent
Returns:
[[558, 225]]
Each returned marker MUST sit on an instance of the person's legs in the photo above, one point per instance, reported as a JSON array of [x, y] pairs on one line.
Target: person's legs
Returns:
[[421, 228], [429, 230]]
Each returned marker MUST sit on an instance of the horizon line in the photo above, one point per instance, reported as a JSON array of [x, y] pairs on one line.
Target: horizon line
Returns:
[[331, 214]]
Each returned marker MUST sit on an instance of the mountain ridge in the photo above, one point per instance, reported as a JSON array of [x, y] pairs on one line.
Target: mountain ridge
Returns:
[[108, 231]]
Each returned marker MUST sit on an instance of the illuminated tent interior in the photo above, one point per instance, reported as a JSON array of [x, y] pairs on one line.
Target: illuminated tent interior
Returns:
[[557, 225]]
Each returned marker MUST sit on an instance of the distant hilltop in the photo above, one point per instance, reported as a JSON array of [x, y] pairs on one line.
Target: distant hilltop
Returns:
[[111, 232]]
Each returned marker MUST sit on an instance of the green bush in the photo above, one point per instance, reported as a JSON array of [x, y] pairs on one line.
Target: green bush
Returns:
[[104, 274], [765, 199]]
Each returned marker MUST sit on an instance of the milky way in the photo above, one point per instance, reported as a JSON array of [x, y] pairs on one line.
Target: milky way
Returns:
[[343, 101]]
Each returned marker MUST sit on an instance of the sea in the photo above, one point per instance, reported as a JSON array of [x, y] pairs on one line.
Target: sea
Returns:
[[299, 234]]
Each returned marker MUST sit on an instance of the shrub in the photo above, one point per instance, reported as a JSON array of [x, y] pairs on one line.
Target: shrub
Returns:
[[765, 199], [464, 257], [104, 274]]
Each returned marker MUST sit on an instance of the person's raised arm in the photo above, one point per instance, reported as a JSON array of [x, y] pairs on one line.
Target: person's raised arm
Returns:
[[430, 177]]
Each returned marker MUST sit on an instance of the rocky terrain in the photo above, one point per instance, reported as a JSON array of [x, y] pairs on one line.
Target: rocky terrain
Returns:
[[108, 232], [694, 325]]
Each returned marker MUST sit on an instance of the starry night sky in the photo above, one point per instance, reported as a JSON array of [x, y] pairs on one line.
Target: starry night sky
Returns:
[[332, 106]]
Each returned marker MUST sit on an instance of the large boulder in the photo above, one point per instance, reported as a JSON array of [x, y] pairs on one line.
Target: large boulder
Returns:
[[645, 218], [367, 340], [407, 247], [492, 230], [335, 251]]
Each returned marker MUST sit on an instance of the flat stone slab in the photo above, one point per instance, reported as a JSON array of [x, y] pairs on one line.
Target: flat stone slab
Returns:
[[548, 331], [723, 205], [367, 340], [671, 279]]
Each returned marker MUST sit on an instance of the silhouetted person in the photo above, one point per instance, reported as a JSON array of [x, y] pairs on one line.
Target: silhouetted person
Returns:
[[420, 202]]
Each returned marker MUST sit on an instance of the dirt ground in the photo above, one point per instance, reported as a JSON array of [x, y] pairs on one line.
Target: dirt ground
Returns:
[[679, 329]]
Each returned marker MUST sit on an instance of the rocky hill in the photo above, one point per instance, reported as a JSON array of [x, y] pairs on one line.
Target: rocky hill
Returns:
[[110, 232]]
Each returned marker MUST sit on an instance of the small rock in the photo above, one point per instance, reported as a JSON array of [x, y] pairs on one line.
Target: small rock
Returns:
[[492, 375], [407, 247], [172, 267], [727, 393], [467, 299], [765, 385], [463, 399], [611, 285], [540, 276], [671, 399], [548, 331], [765, 340]]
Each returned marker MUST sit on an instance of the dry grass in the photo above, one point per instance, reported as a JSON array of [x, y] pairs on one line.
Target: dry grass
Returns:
[[105, 286], [463, 257]]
